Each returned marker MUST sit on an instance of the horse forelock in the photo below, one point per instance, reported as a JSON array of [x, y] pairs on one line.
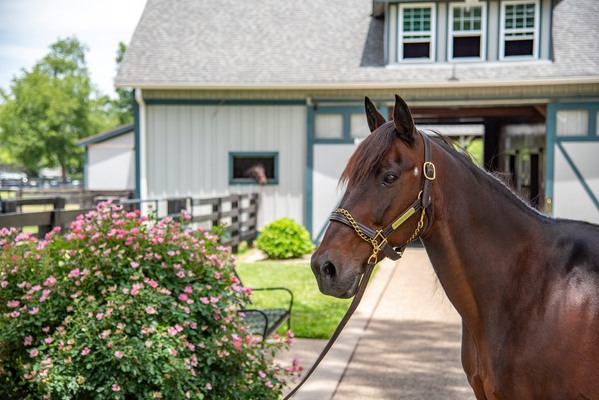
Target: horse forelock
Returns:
[[368, 156]]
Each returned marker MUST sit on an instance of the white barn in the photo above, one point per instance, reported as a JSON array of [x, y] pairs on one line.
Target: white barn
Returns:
[[110, 159], [222, 84]]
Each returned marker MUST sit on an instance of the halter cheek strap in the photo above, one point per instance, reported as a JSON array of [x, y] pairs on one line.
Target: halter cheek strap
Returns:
[[379, 238]]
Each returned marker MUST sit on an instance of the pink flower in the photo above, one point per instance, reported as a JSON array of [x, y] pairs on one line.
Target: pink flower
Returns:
[[116, 388], [208, 386], [99, 316], [118, 354], [13, 303], [217, 275], [50, 281], [150, 310], [188, 289], [85, 351], [134, 264], [48, 340], [28, 340], [33, 352], [74, 273], [183, 297]]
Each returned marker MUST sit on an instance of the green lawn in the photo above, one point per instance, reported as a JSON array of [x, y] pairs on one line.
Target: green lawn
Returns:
[[314, 315]]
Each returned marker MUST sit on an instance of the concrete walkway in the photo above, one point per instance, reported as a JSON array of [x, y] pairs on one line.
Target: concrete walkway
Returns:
[[403, 342]]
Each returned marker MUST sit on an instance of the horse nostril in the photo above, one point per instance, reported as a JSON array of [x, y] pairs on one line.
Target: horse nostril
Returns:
[[328, 270]]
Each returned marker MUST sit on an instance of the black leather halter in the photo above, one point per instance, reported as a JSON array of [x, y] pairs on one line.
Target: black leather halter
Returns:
[[378, 238]]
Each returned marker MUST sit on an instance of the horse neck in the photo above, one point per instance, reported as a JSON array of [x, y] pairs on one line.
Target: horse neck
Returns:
[[480, 230]]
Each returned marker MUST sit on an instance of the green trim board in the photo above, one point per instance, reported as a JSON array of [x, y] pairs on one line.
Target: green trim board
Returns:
[[224, 102], [136, 140]]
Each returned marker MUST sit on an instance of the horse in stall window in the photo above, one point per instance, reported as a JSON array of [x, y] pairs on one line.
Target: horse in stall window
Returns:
[[257, 172]]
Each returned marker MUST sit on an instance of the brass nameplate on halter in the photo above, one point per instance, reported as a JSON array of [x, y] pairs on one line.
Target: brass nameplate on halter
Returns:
[[402, 218]]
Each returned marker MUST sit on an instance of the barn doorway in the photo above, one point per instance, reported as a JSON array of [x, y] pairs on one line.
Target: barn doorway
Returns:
[[513, 141]]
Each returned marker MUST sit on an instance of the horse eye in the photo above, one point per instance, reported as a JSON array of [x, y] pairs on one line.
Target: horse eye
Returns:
[[389, 179]]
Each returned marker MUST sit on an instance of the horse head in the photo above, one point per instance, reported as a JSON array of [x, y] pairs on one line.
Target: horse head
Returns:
[[258, 173], [379, 210]]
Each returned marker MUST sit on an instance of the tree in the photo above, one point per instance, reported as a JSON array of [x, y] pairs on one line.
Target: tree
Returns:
[[123, 105], [48, 111]]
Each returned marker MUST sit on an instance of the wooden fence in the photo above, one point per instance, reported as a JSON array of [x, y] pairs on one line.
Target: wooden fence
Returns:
[[237, 213]]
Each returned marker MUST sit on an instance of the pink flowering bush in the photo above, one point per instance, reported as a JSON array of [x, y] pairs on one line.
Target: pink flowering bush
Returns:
[[123, 308]]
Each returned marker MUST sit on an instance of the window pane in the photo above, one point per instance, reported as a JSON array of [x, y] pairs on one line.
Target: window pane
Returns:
[[328, 126], [416, 19], [572, 122], [359, 125], [518, 48], [416, 50], [243, 166], [466, 46], [467, 18]]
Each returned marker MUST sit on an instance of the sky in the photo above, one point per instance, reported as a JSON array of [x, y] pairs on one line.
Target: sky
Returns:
[[29, 27]]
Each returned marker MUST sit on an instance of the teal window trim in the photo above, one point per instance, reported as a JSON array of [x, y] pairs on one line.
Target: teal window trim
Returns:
[[554, 141], [274, 155], [346, 111], [591, 108]]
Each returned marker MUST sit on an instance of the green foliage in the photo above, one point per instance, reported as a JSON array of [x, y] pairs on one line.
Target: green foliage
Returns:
[[283, 239], [314, 315], [122, 308], [52, 106]]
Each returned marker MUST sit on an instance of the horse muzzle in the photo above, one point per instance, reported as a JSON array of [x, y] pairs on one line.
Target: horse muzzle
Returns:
[[331, 280]]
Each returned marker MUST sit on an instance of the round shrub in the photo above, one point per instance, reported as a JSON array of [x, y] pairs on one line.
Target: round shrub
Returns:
[[283, 239], [123, 308]]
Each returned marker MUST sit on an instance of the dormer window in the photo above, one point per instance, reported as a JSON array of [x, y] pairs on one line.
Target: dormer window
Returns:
[[467, 32], [416, 32], [519, 29]]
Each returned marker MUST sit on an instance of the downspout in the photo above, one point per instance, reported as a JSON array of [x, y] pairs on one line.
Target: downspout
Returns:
[[142, 181]]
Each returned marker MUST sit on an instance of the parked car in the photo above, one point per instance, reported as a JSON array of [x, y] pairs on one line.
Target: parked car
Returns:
[[13, 179]]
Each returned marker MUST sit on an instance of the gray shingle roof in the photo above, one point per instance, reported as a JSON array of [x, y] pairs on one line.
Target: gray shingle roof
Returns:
[[207, 43]]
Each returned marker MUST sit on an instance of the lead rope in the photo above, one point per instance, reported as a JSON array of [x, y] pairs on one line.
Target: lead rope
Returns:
[[352, 307]]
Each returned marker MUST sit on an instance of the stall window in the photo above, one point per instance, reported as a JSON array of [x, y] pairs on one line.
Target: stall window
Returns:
[[253, 168]]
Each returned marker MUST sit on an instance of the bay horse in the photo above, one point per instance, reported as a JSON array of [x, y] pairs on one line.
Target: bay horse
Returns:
[[257, 172], [526, 285]]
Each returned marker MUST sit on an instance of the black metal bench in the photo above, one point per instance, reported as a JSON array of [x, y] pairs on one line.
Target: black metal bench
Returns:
[[266, 321]]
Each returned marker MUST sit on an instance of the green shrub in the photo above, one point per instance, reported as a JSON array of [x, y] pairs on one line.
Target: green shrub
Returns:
[[283, 239], [122, 308]]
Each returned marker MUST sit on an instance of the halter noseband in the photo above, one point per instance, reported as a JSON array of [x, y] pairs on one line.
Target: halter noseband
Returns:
[[378, 238]]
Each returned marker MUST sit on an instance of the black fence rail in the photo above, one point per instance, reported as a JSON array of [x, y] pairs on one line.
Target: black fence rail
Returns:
[[237, 213]]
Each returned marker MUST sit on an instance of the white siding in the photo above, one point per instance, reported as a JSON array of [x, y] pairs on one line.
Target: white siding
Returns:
[[111, 164], [570, 200], [188, 153], [329, 162]]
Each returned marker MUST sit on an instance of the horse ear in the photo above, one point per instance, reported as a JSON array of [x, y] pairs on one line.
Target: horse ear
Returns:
[[403, 121], [374, 117]]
